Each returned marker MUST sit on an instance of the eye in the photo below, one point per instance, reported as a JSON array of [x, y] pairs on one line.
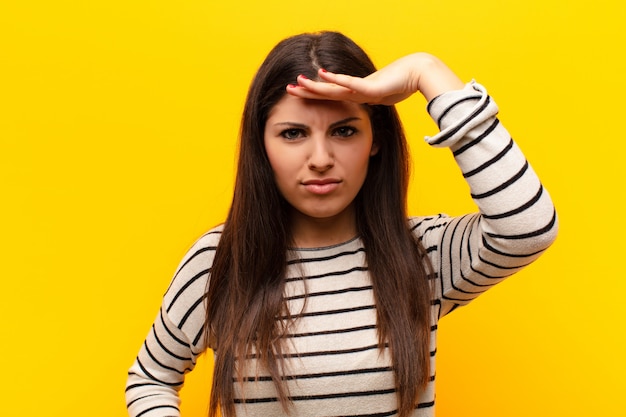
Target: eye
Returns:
[[344, 131], [292, 133]]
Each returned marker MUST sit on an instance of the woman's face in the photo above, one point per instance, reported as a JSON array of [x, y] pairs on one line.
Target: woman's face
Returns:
[[319, 152]]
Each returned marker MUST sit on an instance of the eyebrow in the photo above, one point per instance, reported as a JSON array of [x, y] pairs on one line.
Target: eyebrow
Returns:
[[332, 125]]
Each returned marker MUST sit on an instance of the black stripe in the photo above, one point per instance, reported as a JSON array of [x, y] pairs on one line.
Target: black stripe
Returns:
[[439, 306], [192, 257], [198, 336], [188, 313], [504, 185], [518, 210], [323, 293], [198, 252], [538, 232], [143, 384], [490, 162], [187, 285], [478, 139], [490, 248], [324, 352], [453, 105], [325, 258], [454, 307], [485, 286], [149, 375], [485, 261], [329, 312], [393, 412], [320, 374], [435, 226], [383, 414], [169, 352], [463, 123], [467, 226], [172, 335], [481, 288], [155, 360], [423, 220], [471, 263], [329, 274], [140, 398], [147, 410], [432, 249], [442, 260], [318, 396], [330, 332]]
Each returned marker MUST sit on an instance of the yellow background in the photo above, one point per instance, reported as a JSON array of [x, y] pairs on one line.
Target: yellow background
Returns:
[[118, 123]]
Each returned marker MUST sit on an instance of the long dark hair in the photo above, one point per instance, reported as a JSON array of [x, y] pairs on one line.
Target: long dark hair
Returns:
[[245, 290]]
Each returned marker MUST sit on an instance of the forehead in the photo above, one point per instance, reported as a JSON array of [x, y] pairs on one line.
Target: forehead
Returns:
[[292, 108]]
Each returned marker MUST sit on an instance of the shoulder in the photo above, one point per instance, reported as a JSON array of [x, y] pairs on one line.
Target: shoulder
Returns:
[[209, 239], [422, 226], [194, 267], [203, 249]]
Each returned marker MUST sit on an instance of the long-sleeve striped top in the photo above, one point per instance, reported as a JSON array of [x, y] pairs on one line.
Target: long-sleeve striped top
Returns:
[[334, 365]]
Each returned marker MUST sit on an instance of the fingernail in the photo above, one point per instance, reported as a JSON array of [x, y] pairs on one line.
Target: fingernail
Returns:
[[291, 85], [303, 77], [323, 70]]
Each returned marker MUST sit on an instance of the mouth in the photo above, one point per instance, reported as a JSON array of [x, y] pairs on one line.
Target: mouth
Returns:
[[321, 186]]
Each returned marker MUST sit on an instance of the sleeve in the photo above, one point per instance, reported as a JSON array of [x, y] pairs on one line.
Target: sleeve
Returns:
[[176, 338], [517, 220]]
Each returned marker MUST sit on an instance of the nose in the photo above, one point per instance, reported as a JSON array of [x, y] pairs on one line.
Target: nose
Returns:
[[321, 157]]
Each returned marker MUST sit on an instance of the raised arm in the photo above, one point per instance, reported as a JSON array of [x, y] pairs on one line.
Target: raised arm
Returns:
[[516, 221]]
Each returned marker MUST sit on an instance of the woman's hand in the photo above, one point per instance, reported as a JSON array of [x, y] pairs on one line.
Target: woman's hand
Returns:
[[397, 81]]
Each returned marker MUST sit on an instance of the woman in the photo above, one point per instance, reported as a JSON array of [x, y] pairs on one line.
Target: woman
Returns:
[[319, 296]]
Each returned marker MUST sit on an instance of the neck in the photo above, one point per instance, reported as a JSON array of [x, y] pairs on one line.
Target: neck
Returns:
[[311, 232]]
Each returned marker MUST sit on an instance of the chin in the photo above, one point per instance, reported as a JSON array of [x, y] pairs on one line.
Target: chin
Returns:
[[325, 213]]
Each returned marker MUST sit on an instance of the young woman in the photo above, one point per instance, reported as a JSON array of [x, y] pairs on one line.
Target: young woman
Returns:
[[318, 295]]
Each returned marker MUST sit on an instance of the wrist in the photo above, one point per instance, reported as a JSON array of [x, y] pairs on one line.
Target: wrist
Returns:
[[433, 76]]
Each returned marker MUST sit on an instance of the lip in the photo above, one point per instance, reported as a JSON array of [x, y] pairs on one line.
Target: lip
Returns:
[[321, 186]]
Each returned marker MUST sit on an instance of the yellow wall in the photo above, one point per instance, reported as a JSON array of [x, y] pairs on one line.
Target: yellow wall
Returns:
[[118, 121]]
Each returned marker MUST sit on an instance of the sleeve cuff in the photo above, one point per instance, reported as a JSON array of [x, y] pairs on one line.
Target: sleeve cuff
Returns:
[[459, 111]]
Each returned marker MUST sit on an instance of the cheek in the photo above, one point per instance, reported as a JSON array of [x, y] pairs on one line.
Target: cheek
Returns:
[[272, 155], [357, 158], [282, 165]]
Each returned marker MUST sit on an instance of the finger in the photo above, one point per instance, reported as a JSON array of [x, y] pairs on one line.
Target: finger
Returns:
[[352, 83], [303, 92], [327, 90]]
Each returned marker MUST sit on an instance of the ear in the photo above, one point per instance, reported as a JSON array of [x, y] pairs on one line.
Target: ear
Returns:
[[375, 148]]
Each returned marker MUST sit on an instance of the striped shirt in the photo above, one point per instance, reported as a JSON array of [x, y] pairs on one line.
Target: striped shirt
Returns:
[[334, 365]]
